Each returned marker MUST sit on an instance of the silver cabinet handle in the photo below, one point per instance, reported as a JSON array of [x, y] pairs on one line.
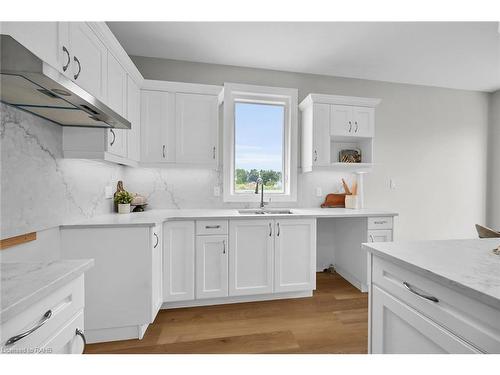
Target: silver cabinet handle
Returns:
[[157, 241], [223, 246], [315, 155], [278, 232], [65, 67], [79, 67], [371, 238], [350, 126], [42, 321], [212, 226], [380, 222], [213, 153], [430, 298], [114, 137], [356, 129], [79, 332], [163, 151], [270, 230]]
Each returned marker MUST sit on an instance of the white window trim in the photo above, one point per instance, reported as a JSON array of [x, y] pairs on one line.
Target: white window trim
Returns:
[[289, 98]]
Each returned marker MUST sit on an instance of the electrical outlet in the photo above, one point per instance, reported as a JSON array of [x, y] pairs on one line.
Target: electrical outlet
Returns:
[[392, 184], [108, 192], [319, 192], [216, 191]]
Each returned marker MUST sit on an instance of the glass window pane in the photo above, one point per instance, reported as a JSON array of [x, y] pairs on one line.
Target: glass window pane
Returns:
[[259, 140]]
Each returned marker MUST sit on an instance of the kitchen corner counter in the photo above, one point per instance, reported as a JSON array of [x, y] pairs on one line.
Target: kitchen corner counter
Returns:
[[469, 266], [23, 284], [157, 216]]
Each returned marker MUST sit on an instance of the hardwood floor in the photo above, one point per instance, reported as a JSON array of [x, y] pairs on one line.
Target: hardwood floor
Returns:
[[334, 320]]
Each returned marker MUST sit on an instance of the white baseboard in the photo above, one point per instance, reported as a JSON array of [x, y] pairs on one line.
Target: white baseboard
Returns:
[[236, 299], [115, 334]]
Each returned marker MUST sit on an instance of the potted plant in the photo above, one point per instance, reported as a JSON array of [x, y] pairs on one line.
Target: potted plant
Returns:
[[123, 200]]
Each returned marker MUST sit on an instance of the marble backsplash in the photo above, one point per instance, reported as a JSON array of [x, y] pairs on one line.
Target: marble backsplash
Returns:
[[40, 189]]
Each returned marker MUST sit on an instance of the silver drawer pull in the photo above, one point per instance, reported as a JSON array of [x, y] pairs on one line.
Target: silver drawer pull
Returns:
[[380, 222], [42, 321], [157, 241], [212, 226], [79, 332], [430, 298]]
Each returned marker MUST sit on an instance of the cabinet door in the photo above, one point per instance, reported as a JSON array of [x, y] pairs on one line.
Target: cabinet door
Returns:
[[341, 120], [321, 135], [88, 63], [178, 261], [398, 329], [251, 257], [134, 116], [117, 101], [295, 255], [157, 126], [211, 266], [196, 128], [380, 235], [363, 122], [157, 266], [41, 38]]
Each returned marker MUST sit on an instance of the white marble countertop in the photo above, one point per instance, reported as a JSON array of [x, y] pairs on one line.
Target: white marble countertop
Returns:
[[156, 216], [23, 284], [467, 265]]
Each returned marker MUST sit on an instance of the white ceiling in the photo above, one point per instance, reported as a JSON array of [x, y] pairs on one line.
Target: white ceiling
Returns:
[[463, 55]]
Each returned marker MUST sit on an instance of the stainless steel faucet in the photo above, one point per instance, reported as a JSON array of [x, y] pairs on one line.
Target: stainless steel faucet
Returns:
[[261, 182]]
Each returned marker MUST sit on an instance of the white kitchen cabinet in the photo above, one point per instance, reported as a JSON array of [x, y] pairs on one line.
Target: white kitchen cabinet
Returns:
[[178, 261], [399, 329], [134, 116], [121, 290], [251, 257], [294, 255], [196, 128], [157, 126], [41, 38], [211, 266], [117, 101], [332, 123], [157, 270], [88, 57]]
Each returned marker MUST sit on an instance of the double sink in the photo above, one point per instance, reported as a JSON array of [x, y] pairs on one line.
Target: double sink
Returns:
[[265, 212]]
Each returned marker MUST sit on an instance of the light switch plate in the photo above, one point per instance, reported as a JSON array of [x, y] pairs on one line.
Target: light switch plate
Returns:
[[216, 191], [108, 192], [319, 192], [392, 184]]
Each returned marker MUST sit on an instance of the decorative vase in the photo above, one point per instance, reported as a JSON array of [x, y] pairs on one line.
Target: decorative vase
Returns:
[[124, 208]]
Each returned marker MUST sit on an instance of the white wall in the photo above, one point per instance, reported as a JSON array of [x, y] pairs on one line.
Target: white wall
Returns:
[[432, 141], [493, 206]]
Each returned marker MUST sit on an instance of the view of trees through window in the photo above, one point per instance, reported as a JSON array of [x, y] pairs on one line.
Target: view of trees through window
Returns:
[[259, 139]]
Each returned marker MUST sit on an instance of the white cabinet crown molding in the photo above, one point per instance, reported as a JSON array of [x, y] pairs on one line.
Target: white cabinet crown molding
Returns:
[[339, 100], [181, 87]]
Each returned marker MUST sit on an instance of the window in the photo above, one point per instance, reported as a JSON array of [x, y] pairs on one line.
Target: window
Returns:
[[259, 144], [260, 140]]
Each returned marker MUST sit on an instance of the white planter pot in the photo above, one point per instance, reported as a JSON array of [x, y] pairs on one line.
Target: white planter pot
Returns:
[[124, 208]]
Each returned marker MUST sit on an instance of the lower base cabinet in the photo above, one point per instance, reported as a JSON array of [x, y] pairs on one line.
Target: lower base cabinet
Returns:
[[211, 266]]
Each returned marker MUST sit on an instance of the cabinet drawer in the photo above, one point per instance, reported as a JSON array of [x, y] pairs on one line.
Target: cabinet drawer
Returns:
[[380, 235], [380, 222], [467, 318], [63, 304], [204, 227]]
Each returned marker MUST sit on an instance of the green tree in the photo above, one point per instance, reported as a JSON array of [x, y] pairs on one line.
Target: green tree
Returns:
[[270, 177], [253, 175], [241, 176]]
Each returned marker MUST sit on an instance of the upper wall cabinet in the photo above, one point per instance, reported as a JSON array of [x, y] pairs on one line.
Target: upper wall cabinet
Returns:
[[333, 125], [84, 57], [179, 123]]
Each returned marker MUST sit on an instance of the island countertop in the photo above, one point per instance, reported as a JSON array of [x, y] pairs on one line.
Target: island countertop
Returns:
[[23, 284], [157, 216], [469, 266]]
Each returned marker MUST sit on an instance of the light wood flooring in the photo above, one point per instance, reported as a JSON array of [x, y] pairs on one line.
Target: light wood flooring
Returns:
[[334, 320]]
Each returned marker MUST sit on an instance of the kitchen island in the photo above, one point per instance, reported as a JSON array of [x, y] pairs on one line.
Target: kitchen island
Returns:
[[434, 297]]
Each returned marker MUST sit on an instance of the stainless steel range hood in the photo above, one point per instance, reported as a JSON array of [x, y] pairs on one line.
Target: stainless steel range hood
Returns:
[[32, 85]]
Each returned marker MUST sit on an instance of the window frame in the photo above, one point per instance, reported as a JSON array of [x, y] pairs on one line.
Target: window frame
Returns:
[[243, 93]]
